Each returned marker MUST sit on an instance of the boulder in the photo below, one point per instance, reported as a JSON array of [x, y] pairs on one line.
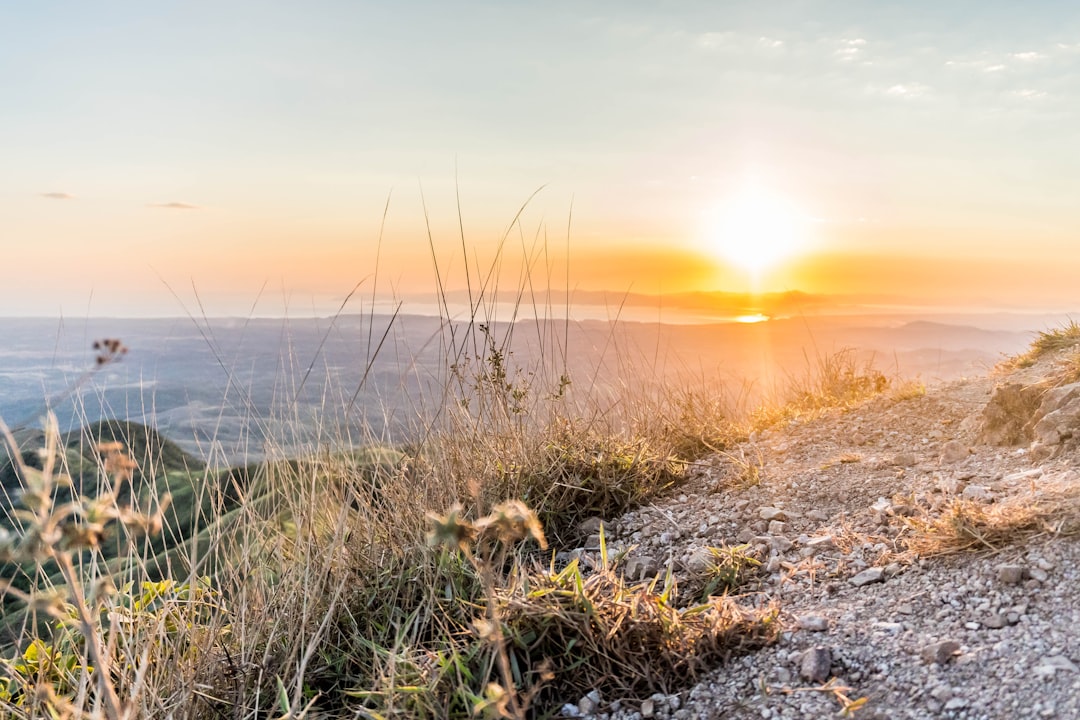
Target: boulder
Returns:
[[1006, 418]]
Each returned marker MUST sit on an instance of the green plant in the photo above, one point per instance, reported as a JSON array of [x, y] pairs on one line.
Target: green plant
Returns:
[[729, 569]]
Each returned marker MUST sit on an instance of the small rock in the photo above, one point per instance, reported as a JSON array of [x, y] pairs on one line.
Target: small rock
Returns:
[[780, 544], [867, 576], [1010, 574], [956, 704], [589, 704], [818, 515], [816, 664], [570, 710], [771, 513], [893, 628], [1052, 663], [1032, 474], [1037, 573], [777, 527], [590, 526], [905, 459], [977, 492], [995, 621], [813, 623], [648, 708], [700, 560], [940, 652], [881, 505], [954, 451], [972, 625], [640, 567], [822, 542]]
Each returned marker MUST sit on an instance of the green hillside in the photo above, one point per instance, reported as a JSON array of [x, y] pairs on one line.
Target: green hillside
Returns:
[[207, 509]]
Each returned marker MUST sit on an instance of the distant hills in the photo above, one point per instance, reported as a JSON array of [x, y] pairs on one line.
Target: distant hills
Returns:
[[228, 390]]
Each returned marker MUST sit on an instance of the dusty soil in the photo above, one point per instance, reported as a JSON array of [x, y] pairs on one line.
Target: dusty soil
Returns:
[[990, 632]]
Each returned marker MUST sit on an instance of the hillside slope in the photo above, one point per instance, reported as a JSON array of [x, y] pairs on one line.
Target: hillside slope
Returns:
[[927, 563]]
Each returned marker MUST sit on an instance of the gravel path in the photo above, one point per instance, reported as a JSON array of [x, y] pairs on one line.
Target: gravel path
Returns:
[[981, 634]]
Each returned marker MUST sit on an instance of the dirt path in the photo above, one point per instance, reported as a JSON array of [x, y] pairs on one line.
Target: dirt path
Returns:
[[839, 500]]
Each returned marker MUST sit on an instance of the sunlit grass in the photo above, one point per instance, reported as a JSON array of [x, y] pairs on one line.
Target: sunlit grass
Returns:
[[307, 583], [1063, 337]]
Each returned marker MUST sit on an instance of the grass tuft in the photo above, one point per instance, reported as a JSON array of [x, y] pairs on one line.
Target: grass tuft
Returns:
[[968, 525], [1063, 337]]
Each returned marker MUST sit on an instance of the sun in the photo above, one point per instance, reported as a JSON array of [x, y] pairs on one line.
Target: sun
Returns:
[[755, 230]]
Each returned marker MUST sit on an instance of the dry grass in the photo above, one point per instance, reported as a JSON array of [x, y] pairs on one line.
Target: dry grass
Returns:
[[598, 633], [321, 595], [832, 383], [1064, 337], [965, 525]]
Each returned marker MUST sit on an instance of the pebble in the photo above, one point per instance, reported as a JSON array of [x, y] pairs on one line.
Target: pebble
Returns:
[[700, 560], [940, 652], [590, 703], [640, 567], [905, 459], [816, 664], [1037, 573], [1049, 665], [813, 623], [870, 575], [977, 492], [1010, 574], [590, 526], [954, 451], [772, 513]]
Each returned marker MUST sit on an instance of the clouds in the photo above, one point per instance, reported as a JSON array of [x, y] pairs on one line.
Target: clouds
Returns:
[[849, 49], [907, 91], [174, 206], [1028, 57]]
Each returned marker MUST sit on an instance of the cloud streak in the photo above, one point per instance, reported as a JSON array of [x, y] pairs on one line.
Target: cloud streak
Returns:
[[56, 195], [175, 206]]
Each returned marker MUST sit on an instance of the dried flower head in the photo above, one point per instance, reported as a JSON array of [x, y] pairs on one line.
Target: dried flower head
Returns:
[[109, 350], [451, 529], [119, 464], [512, 521]]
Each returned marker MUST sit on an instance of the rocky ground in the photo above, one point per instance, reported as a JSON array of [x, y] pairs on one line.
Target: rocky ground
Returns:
[[833, 508]]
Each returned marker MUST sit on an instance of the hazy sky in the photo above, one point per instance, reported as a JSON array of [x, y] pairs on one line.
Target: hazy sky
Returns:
[[928, 148]]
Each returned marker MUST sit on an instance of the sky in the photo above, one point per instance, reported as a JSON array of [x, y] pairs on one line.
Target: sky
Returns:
[[252, 154]]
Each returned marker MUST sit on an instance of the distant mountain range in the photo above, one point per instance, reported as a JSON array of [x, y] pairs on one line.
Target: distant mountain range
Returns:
[[225, 390]]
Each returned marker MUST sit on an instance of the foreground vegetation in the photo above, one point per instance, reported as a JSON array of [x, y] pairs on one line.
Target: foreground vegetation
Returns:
[[357, 580]]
